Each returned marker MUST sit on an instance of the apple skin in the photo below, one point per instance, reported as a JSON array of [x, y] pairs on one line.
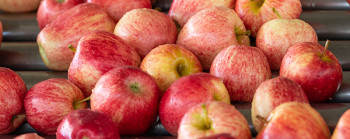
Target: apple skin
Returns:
[[211, 30], [66, 30], [242, 68], [342, 130], [117, 8], [12, 92], [50, 9], [29, 136], [319, 77], [145, 29], [292, 120], [219, 116], [187, 92], [1, 31], [257, 12], [19, 6], [288, 32], [272, 93], [219, 136], [49, 101], [182, 10], [85, 123], [97, 53], [167, 63], [130, 97]]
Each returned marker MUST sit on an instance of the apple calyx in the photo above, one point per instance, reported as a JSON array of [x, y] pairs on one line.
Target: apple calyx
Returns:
[[135, 87], [323, 55], [181, 67], [276, 12], [76, 104], [60, 1], [72, 48]]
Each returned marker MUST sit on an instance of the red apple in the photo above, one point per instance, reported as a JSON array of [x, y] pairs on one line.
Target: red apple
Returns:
[[29, 136], [117, 8], [97, 53], [272, 93], [211, 30], [145, 29], [212, 118], [255, 13], [84, 123], [1, 30], [276, 36], [169, 62], [342, 130], [315, 68], [187, 92], [294, 120], [181, 10], [242, 68], [130, 97], [49, 101], [50, 9], [66, 30], [12, 92], [19, 6]]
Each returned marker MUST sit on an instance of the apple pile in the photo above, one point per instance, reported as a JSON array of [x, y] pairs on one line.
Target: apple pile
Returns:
[[132, 64]]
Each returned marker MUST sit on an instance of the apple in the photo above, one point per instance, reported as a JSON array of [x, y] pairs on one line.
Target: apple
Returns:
[[50, 9], [19, 6], [211, 118], [272, 93], [49, 101], [342, 130], [12, 92], [211, 30], [167, 63], [66, 30], [129, 96], [187, 92], [145, 29], [117, 8], [182, 10], [243, 69], [294, 120], [29, 136], [315, 68], [85, 123], [255, 13], [1, 31], [277, 35], [97, 53]]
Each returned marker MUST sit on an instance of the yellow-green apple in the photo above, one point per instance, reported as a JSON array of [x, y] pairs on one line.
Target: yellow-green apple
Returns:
[[50, 9], [117, 8], [19, 6], [12, 92], [289, 32], [130, 97], [87, 124], [242, 68], [29, 136], [211, 30], [49, 101], [97, 53], [272, 93], [255, 13], [1, 30], [167, 63], [145, 29], [342, 130], [315, 68], [211, 118], [182, 10], [294, 120], [187, 92], [66, 30]]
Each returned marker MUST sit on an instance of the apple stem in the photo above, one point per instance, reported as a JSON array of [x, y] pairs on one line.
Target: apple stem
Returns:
[[158, 9], [262, 119], [244, 33], [81, 101], [325, 49], [72, 48], [60, 1], [206, 119], [276, 12]]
